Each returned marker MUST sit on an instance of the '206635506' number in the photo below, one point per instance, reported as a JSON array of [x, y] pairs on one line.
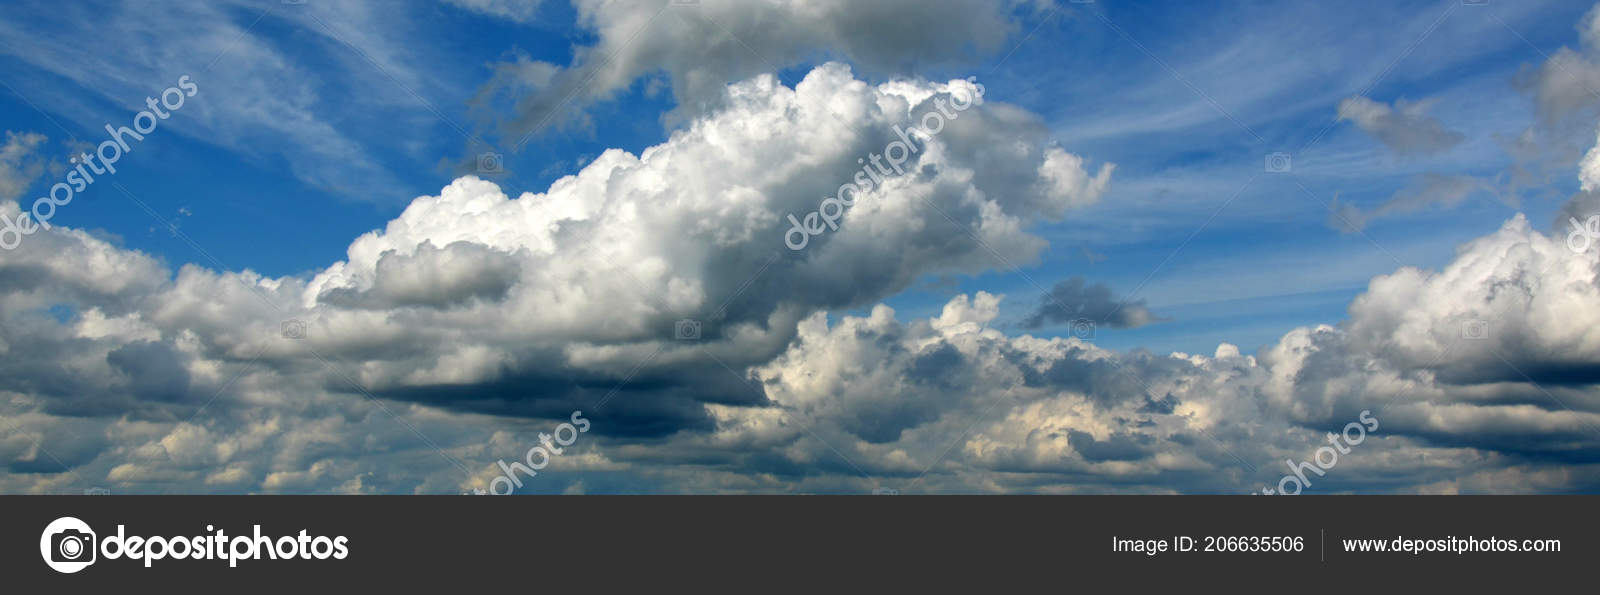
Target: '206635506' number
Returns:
[[1254, 543]]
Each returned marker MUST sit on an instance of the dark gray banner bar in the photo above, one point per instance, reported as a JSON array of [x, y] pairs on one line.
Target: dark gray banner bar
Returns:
[[751, 543]]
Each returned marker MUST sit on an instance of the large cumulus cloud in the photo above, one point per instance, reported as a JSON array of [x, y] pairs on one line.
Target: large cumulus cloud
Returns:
[[551, 295], [531, 306]]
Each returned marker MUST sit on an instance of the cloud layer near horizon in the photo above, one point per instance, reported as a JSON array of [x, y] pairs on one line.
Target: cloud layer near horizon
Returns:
[[941, 404]]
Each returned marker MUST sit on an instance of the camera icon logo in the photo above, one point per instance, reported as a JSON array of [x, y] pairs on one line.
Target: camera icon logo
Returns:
[[1279, 162], [68, 545], [293, 329], [491, 163], [1083, 329], [687, 329], [1475, 330]]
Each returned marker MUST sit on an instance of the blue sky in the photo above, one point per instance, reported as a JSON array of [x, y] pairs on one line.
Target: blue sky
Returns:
[[400, 113], [317, 123], [1178, 155]]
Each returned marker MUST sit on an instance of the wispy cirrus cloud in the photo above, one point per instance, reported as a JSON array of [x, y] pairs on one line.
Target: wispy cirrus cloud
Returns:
[[703, 46], [1427, 191]]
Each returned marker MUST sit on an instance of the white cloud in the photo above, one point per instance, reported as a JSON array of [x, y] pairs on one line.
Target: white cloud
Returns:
[[473, 311], [1061, 406], [521, 11], [1589, 170], [19, 164], [475, 301]]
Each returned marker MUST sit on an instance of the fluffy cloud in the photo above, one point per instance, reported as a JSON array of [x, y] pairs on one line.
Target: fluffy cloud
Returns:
[[1480, 373], [586, 281], [475, 302], [446, 340], [1489, 362], [1589, 170]]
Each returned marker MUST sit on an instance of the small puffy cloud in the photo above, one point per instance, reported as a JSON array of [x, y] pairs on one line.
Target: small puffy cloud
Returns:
[[1406, 128], [1075, 299], [1070, 181], [1589, 170], [19, 164]]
